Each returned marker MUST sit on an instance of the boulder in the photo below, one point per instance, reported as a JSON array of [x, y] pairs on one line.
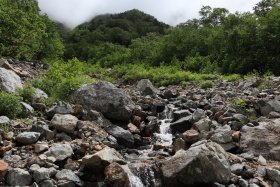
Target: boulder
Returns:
[[27, 109], [182, 124], [204, 163], [64, 123], [146, 87], [39, 95], [124, 137], [68, 175], [59, 108], [4, 120], [28, 137], [19, 177], [9, 80], [263, 139], [3, 169], [42, 174], [60, 151], [104, 97], [101, 159]]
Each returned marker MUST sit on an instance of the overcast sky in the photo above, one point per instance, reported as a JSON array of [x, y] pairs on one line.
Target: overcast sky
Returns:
[[75, 12]]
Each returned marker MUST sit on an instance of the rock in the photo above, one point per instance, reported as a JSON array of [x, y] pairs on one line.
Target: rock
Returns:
[[47, 183], [39, 95], [4, 120], [27, 109], [120, 175], [44, 130], [151, 128], [242, 170], [262, 140], [9, 81], [60, 107], [180, 114], [124, 137], [28, 137], [3, 169], [133, 129], [101, 159], [146, 87], [236, 136], [253, 82], [182, 125], [202, 125], [64, 123], [19, 177], [104, 97], [191, 136], [223, 136], [42, 174], [178, 144], [243, 183], [40, 147], [205, 162], [198, 115], [262, 160], [68, 175], [273, 175], [9, 135], [60, 151], [240, 118]]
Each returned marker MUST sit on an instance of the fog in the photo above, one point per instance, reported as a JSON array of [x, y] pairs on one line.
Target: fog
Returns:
[[75, 12]]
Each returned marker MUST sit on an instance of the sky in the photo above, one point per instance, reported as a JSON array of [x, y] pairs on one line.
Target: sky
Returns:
[[172, 12]]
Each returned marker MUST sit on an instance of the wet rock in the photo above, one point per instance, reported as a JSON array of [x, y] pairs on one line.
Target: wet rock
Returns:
[[205, 162], [3, 169], [28, 137], [180, 114], [9, 81], [19, 177], [101, 159], [262, 140], [60, 151], [146, 87], [64, 123], [104, 97], [68, 175], [151, 128], [60, 107], [117, 175], [124, 137]]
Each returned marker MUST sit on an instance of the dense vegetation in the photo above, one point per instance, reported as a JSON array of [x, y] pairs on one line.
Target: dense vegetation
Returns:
[[133, 45], [25, 34]]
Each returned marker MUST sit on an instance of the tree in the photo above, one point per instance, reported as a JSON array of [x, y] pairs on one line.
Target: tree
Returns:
[[264, 6]]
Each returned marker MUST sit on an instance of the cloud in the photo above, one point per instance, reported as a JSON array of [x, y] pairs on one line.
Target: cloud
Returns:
[[75, 12]]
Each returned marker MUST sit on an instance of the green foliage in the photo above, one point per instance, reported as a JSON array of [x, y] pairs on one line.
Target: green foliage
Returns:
[[10, 105], [238, 102], [27, 93], [62, 79], [25, 34], [206, 84], [5, 127]]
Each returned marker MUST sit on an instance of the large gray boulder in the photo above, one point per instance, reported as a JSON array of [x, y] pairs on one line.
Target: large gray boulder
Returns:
[[28, 137], [9, 80], [64, 123], [19, 177], [60, 151], [104, 97], [263, 139], [146, 87], [123, 136], [204, 163]]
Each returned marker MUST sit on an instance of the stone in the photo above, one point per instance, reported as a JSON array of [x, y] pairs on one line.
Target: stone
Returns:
[[47, 183], [151, 128], [191, 136], [178, 144], [198, 115], [104, 97], [60, 151], [101, 159], [59, 107], [68, 175], [3, 169], [223, 136], [241, 118], [202, 125], [180, 114], [4, 120], [42, 174], [242, 170], [262, 140], [124, 137], [27, 109], [182, 125], [273, 175], [64, 123], [40, 147], [19, 177], [9, 81], [262, 160], [236, 136], [28, 137], [133, 129], [39, 95], [146, 87], [9, 135], [206, 163]]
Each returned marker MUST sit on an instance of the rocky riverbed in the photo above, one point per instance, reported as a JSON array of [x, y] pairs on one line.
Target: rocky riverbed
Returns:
[[139, 135]]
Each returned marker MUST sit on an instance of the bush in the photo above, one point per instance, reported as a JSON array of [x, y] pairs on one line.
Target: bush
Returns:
[[27, 93], [10, 105], [62, 79], [206, 84]]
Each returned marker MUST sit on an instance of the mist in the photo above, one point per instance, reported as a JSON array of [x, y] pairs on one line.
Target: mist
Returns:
[[172, 12]]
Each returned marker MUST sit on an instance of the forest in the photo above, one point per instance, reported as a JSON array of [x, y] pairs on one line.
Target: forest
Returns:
[[218, 41]]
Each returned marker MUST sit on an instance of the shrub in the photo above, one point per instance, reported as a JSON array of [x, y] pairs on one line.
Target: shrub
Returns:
[[62, 79], [10, 105], [27, 93], [206, 84]]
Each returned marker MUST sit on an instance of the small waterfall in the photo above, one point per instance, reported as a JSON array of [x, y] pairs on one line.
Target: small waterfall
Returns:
[[165, 135], [135, 181]]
